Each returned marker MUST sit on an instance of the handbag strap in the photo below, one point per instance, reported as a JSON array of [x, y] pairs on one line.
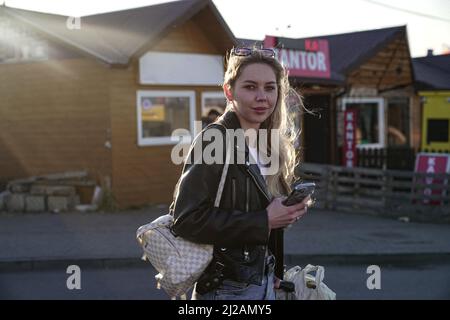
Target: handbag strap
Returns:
[[149, 226], [225, 170], [318, 278]]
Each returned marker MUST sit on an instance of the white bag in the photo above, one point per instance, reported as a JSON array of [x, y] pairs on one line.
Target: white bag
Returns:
[[308, 286]]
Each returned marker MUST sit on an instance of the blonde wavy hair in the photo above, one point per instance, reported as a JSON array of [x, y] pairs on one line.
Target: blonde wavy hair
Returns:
[[282, 118]]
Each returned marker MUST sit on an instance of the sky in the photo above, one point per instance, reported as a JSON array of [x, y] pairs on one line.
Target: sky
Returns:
[[427, 21]]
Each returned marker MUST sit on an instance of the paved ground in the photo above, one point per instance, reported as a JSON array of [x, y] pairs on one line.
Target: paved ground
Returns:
[[348, 281], [43, 240]]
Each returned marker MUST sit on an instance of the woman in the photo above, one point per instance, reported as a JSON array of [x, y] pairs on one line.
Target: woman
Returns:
[[247, 227]]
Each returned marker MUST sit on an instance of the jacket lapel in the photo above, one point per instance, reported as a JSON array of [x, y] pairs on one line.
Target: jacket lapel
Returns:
[[231, 121], [253, 170]]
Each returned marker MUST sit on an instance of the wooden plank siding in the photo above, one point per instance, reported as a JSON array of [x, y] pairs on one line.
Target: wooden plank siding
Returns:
[[213, 29], [57, 115], [416, 124], [389, 68], [146, 174], [54, 117], [188, 38], [390, 72], [140, 174]]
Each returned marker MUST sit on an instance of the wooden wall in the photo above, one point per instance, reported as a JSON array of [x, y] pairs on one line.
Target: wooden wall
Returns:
[[54, 117], [188, 38], [389, 68], [389, 74], [416, 122], [146, 174], [57, 116]]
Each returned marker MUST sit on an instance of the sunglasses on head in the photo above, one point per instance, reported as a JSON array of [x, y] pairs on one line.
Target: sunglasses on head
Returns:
[[243, 52]]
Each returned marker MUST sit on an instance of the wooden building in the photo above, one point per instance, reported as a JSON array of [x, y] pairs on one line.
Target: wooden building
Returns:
[[370, 71], [104, 93]]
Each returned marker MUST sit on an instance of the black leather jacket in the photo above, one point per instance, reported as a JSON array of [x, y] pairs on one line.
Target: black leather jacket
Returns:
[[238, 229]]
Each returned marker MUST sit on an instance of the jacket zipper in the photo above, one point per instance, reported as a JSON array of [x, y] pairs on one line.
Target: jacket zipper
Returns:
[[257, 184], [247, 209], [247, 195], [265, 195], [233, 192]]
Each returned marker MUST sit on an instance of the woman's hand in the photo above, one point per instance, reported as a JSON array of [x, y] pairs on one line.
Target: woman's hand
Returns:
[[276, 282], [281, 216]]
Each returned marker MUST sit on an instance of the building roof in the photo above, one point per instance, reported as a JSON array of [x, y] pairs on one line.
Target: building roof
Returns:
[[432, 72], [347, 50], [115, 37]]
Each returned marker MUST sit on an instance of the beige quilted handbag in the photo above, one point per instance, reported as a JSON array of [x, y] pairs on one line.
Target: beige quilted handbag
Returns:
[[179, 262]]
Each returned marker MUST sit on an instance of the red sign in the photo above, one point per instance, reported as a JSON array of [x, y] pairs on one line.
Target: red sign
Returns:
[[433, 163], [312, 60], [349, 149]]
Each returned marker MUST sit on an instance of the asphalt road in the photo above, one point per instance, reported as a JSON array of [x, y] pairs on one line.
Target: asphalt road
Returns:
[[426, 281]]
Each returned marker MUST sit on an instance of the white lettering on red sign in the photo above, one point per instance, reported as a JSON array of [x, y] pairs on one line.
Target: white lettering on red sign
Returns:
[[430, 169], [433, 164], [302, 60], [311, 60], [349, 149]]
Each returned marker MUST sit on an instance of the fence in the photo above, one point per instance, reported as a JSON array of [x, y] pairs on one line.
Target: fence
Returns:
[[391, 158], [420, 196], [397, 158]]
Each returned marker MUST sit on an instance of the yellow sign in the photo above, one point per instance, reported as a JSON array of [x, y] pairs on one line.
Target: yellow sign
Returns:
[[153, 113], [436, 120]]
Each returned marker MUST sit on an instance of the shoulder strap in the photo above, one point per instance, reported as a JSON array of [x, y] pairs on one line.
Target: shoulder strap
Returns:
[[225, 170]]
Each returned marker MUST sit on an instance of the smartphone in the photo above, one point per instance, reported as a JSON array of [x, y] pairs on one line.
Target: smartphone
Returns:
[[299, 193]]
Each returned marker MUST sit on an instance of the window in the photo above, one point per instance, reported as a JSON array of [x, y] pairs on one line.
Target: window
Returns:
[[369, 122], [398, 121], [161, 112], [437, 130], [213, 105]]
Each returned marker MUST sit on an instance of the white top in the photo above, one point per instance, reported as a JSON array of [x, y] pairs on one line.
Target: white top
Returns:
[[254, 154]]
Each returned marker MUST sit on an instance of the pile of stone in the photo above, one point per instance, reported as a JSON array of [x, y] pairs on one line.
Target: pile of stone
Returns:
[[47, 193]]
